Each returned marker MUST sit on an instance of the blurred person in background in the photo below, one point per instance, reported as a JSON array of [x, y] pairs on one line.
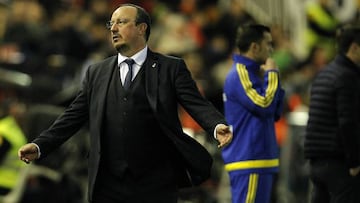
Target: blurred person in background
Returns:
[[11, 138], [321, 26], [19, 51], [332, 137], [138, 151], [253, 101], [3, 19]]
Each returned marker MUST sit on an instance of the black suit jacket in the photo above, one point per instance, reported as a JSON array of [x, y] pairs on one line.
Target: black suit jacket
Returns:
[[168, 83]]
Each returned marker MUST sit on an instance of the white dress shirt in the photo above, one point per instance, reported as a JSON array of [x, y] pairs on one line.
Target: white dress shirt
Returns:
[[139, 59]]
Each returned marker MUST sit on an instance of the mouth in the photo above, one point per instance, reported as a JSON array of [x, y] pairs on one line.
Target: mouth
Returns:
[[115, 37]]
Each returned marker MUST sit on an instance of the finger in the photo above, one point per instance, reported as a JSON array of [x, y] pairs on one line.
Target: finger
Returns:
[[27, 161], [21, 154], [22, 151], [222, 144]]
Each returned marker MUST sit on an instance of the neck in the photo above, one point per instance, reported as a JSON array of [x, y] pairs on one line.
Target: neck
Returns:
[[249, 55], [129, 50]]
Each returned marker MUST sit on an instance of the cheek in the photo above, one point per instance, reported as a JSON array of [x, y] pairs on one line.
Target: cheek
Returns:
[[128, 34], [125, 30], [264, 52], [269, 50], [124, 33]]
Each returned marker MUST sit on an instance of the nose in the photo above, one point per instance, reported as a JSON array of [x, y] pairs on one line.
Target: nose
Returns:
[[271, 50], [113, 27]]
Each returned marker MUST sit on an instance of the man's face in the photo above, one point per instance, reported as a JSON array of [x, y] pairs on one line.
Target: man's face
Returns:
[[124, 31], [265, 48]]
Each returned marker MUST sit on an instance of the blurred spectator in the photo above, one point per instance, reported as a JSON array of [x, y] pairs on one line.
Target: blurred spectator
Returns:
[[171, 35], [11, 138], [282, 54], [20, 51], [219, 31], [59, 178], [3, 19], [101, 9], [217, 76], [321, 26], [298, 82], [234, 16]]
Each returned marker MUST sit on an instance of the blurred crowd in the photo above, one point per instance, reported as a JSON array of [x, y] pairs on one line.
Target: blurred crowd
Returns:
[[46, 46]]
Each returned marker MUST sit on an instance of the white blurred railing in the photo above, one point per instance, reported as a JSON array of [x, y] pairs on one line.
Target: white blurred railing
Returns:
[[289, 14]]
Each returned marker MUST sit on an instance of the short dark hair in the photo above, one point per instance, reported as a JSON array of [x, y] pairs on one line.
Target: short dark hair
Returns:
[[346, 35], [142, 16], [248, 34]]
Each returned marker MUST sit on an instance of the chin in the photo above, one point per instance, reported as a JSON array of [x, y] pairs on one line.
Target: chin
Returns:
[[121, 48], [117, 44]]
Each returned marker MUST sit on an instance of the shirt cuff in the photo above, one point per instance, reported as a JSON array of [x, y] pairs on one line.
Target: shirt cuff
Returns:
[[215, 130], [38, 148], [218, 126]]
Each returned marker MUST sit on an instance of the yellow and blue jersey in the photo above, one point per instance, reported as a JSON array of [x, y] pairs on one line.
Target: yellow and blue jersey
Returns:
[[252, 104]]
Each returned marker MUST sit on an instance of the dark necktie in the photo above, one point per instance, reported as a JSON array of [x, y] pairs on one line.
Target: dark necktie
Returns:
[[128, 77]]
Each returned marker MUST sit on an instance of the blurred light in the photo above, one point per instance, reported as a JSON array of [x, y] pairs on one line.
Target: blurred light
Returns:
[[298, 118], [15, 78]]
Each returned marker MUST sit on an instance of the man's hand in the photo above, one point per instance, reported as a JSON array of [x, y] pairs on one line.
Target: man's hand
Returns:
[[223, 135], [28, 153], [269, 65], [354, 171]]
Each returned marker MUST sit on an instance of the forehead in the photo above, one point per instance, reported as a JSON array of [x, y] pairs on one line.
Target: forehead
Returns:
[[127, 12]]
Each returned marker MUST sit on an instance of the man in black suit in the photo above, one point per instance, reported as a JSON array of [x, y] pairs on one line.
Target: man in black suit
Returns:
[[138, 152]]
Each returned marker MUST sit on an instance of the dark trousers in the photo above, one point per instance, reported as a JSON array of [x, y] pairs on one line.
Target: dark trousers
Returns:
[[332, 182], [156, 185]]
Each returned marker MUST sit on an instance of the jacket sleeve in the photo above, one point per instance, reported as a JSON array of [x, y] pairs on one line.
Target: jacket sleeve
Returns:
[[194, 103], [261, 98], [67, 124]]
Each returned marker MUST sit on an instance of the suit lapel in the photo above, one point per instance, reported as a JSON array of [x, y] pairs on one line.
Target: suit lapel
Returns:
[[151, 66], [105, 79]]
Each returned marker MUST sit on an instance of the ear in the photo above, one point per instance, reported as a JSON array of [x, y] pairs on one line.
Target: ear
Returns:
[[353, 52], [355, 47], [254, 47], [142, 28]]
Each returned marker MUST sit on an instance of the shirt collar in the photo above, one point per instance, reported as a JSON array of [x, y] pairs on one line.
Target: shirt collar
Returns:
[[249, 63], [139, 57], [343, 59]]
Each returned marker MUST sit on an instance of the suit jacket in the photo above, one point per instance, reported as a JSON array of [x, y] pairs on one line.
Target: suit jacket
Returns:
[[167, 83]]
